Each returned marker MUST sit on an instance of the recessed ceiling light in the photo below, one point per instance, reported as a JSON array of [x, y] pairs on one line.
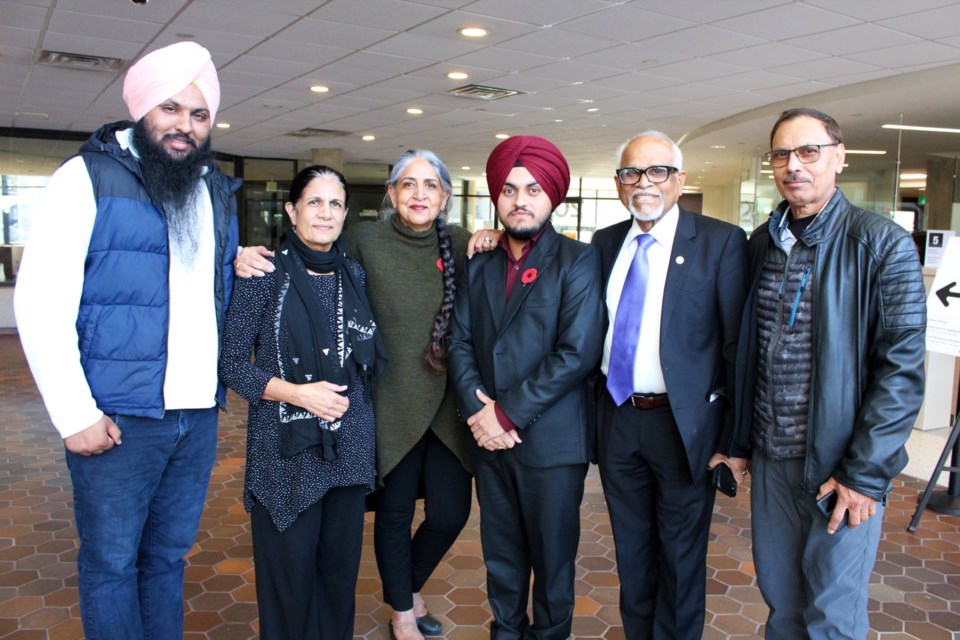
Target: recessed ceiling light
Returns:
[[465, 168], [457, 75], [414, 111], [223, 125], [558, 120], [907, 127], [865, 152], [766, 171], [319, 88], [593, 109], [718, 146], [368, 138], [913, 176], [473, 32], [502, 136]]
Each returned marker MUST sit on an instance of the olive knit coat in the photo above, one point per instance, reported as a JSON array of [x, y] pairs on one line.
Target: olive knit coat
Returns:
[[405, 289]]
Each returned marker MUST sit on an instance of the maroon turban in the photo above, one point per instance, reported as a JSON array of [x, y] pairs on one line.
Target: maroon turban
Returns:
[[538, 156]]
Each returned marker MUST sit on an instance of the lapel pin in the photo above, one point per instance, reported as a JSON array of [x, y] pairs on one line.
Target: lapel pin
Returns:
[[679, 259]]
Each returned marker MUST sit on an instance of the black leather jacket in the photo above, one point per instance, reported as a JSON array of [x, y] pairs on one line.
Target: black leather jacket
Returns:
[[869, 327]]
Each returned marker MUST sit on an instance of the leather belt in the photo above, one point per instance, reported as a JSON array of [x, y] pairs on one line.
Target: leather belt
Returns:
[[649, 400]]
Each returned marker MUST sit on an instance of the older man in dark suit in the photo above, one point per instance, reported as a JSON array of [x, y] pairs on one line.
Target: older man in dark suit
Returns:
[[674, 287], [527, 331]]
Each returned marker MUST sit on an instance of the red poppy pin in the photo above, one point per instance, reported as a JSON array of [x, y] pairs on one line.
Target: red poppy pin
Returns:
[[440, 264], [528, 276]]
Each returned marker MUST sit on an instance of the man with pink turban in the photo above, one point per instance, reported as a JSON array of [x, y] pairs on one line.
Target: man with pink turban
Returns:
[[527, 330], [120, 299]]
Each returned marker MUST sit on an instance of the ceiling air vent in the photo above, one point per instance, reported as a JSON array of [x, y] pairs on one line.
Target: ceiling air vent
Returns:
[[313, 132], [481, 92], [80, 61]]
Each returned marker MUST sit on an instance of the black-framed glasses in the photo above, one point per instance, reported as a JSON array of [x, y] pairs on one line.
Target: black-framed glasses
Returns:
[[806, 154], [655, 174]]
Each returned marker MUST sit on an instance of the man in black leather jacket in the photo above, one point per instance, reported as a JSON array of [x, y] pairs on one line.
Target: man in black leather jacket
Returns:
[[831, 367]]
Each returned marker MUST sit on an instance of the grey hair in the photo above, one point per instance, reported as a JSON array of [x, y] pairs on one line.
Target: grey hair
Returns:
[[386, 208], [653, 133]]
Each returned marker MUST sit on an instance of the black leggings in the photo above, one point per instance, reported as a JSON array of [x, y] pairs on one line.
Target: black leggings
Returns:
[[405, 564]]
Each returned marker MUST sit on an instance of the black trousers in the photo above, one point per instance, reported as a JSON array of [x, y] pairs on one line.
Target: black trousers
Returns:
[[529, 520], [307, 574], [405, 565], [661, 521]]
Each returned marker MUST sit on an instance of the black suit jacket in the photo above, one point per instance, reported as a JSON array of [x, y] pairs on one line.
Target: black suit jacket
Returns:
[[702, 305], [532, 354]]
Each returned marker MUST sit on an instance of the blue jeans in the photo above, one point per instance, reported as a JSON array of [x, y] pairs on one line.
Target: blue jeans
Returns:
[[137, 508]]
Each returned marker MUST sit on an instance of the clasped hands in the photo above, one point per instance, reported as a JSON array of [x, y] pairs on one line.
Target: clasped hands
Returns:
[[486, 428], [322, 399]]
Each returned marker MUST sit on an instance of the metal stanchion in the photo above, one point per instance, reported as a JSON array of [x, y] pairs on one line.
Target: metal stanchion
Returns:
[[943, 501]]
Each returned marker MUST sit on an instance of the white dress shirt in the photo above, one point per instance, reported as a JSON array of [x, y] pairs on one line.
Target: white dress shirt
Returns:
[[647, 374]]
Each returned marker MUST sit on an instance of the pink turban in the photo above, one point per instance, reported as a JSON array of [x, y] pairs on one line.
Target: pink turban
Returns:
[[164, 73], [538, 156]]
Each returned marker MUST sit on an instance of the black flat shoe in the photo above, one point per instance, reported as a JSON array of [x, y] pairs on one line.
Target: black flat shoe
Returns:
[[428, 625]]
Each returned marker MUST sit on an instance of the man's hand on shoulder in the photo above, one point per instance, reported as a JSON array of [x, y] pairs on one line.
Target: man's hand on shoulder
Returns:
[[483, 240], [252, 261], [101, 436]]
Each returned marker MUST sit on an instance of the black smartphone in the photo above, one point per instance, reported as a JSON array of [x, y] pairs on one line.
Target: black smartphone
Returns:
[[723, 480], [827, 504]]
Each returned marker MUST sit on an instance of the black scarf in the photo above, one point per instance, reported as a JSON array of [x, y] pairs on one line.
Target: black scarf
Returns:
[[307, 349]]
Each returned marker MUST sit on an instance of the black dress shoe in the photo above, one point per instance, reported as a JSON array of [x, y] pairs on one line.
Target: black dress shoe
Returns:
[[429, 626]]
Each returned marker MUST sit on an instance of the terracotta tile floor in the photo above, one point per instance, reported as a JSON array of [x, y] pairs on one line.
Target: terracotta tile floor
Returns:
[[915, 591]]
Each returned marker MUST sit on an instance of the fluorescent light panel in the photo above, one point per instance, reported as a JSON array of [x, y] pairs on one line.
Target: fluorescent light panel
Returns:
[[907, 127]]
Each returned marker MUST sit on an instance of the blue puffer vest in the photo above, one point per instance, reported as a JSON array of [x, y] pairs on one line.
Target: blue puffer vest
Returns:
[[124, 308]]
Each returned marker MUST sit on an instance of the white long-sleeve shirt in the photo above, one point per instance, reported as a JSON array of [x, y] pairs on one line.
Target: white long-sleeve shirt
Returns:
[[47, 301]]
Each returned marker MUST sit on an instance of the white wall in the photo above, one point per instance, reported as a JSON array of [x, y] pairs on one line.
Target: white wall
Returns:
[[7, 320], [722, 202]]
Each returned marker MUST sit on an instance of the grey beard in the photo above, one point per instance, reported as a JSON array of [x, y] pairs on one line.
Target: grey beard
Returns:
[[183, 227], [642, 217]]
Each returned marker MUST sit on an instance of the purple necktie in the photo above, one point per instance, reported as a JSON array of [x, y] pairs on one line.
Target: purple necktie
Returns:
[[626, 328]]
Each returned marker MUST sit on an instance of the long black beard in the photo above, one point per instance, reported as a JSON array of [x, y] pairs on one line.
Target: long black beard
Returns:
[[174, 186]]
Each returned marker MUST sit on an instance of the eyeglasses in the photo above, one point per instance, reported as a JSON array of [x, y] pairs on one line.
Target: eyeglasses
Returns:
[[655, 174], [806, 154]]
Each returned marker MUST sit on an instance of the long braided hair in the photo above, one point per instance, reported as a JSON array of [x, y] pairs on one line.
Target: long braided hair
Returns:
[[435, 357]]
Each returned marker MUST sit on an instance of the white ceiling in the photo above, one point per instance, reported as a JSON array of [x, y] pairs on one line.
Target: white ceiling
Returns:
[[715, 73]]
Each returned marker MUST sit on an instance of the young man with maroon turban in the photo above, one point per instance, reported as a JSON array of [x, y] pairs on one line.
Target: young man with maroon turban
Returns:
[[527, 330], [120, 300]]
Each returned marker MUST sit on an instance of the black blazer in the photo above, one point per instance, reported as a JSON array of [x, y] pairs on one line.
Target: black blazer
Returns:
[[702, 304], [533, 353]]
